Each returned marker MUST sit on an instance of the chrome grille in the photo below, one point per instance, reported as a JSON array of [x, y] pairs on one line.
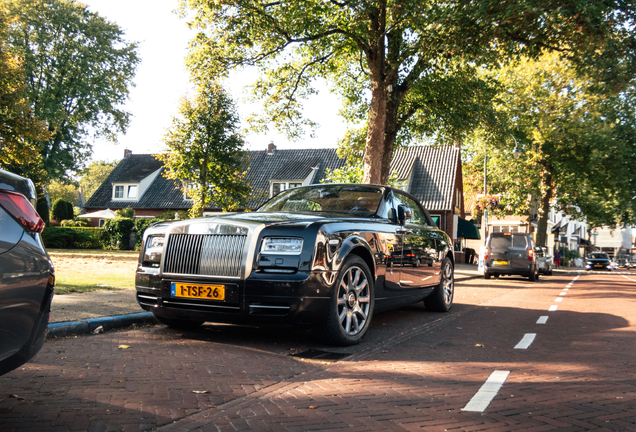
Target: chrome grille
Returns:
[[205, 254]]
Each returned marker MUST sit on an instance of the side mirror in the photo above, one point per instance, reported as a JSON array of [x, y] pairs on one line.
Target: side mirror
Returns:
[[404, 214]]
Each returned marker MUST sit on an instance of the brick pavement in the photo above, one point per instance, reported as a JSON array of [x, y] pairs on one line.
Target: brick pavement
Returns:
[[415, 371], [421, 383]]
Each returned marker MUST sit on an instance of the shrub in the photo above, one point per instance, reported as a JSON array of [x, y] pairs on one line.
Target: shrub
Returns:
[[42, 207], [127, 212], [62, 210], [74, 223], [68, 238]]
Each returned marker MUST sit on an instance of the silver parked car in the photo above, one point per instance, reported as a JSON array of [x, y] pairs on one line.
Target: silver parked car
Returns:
[[26, 274], [545, 260]]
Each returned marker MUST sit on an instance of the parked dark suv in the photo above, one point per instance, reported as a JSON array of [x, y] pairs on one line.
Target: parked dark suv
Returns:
[[26, 274], [510, 254]]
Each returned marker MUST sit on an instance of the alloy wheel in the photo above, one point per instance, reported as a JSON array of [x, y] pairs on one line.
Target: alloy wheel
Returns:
[[354, 301], [449, 284]]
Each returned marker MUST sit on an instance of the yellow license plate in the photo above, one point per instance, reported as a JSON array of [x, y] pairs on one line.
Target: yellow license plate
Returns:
[[200, 291], [598, 265], [501, 262]]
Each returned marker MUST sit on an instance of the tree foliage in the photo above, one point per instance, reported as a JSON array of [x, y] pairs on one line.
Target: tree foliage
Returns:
[[18, 127], [405, 68], [578, 145], [78, 69], [205, 151], [92, 177], [60, 190]]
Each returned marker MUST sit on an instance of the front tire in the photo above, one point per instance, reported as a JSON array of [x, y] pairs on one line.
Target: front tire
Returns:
[[441, 299], [351, 306]]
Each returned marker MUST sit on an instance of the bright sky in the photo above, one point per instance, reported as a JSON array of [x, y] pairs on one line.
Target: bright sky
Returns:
[[162, 79]]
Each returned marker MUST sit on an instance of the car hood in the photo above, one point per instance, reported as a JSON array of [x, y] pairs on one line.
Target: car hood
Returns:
[[272, 218]]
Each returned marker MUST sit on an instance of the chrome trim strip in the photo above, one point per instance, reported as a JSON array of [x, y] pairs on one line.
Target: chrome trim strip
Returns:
[[270, 307], [201, 305], [146, 297]]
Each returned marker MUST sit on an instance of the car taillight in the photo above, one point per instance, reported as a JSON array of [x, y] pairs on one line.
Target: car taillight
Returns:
[[410, 255], [485, 253], [21, 209], [530, 254]]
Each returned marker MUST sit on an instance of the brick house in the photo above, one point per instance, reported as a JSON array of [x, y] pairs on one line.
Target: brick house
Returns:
[[432, 175]]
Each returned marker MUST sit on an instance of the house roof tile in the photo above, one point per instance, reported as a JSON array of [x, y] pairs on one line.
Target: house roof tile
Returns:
[[434, 167]]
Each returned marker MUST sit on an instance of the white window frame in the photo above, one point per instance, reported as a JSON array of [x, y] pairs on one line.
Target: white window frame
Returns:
[[126, 191], [284, 185]]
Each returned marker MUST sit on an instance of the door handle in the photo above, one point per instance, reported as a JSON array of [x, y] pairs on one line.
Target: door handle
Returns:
[[401, 231]]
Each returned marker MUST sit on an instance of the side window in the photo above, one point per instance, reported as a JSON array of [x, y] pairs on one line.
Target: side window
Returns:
[[417, 216]]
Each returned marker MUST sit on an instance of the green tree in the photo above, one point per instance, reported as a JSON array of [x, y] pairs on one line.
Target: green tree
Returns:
[[205, 151], [60, 190], [78, 69], [18, 127], [575, 146], [406, 68], [92, 177]]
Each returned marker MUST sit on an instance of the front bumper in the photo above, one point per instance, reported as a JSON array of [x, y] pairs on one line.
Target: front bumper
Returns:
[[262, 298]]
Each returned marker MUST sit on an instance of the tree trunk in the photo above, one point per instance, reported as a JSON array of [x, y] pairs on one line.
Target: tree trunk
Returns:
[[374, 151], [544, 207], [390, 134], [204, 187]]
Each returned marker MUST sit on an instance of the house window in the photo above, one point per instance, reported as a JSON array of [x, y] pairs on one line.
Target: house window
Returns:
[[126, 191], [277, 187], [189, 191], [294, 185]]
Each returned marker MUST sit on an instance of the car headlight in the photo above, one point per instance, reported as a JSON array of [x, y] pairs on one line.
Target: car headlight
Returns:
[[282, 245], [153, 251]]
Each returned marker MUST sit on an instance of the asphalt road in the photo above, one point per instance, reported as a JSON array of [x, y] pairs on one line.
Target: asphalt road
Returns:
[[511, 355]]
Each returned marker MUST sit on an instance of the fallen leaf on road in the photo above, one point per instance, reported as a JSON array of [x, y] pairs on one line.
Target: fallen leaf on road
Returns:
[[98, 330], [119, 381], [479, 345], [313, 407], [123, 346], [200, 391], [210, 406]]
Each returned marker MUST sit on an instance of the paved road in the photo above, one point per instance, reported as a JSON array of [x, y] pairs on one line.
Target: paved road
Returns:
[[416, 370]]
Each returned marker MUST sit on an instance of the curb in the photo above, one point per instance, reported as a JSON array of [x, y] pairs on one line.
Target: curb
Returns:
[[88, 326]]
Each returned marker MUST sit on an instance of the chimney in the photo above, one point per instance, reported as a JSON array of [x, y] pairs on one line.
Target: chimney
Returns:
[[271, 148], [127, 153]]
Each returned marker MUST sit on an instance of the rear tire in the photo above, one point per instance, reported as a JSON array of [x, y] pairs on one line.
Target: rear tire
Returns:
[[487, 275], [179, 324], [441, 299], [534, 276], [351, 305]]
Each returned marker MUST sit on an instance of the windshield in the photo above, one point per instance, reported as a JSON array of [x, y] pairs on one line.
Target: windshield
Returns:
[[599, 256], [357, 200]]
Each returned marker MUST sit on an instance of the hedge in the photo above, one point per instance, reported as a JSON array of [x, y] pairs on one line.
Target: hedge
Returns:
[[117, 232], [68, 238]]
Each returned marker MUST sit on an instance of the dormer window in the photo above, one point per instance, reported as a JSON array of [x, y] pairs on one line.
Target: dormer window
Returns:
[[281, 186], [126, 192]]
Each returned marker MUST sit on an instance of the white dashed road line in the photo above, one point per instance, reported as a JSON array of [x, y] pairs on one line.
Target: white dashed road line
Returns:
[[525, 342], [563, 293], [553, 308], [558, 299], [542, 320], [487, 392]]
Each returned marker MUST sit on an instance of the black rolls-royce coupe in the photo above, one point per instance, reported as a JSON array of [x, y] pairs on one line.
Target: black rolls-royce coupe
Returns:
[[317, 254]]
